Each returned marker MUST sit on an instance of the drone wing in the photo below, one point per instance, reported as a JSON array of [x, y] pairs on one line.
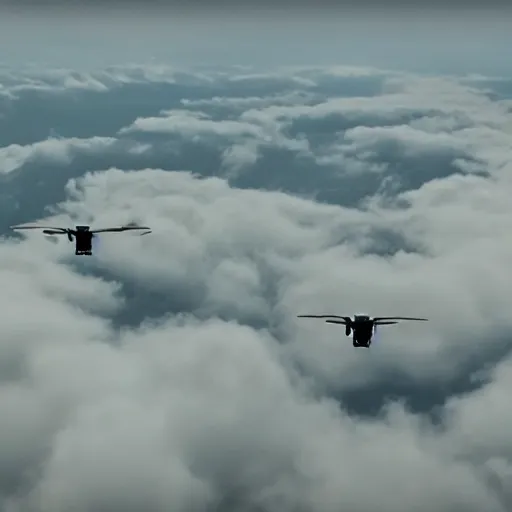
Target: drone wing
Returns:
[[122, 228], [48, 230], [383, 320]]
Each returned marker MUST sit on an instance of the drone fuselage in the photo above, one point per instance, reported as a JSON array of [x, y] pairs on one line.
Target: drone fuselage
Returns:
[[83, 241], [362, 328]]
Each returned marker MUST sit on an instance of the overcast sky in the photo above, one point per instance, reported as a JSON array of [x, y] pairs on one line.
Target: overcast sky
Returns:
[[430, 38]]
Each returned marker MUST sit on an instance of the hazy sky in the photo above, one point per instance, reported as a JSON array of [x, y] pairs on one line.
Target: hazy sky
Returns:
[[431, 40]]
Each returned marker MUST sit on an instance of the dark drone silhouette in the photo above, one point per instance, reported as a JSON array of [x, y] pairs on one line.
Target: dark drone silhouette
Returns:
[[83, 235], [362, 326]]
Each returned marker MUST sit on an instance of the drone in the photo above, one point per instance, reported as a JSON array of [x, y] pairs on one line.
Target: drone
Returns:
[[83, 235], [362, 326]]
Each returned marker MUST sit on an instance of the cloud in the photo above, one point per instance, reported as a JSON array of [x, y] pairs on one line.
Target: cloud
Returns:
[[61, 80], [229, 103], [191, 123], [209, 227], [192, 414], [54, 150], [403, 123], [247, 137], [170, 371]]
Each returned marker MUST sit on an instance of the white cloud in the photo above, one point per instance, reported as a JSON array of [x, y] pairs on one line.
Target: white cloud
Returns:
[[189, 124], [252, 101], [446, 114], [245, 138], [58, 150], [59, 80], [205, 225], [254, 77], [402, 95], [240, 156], [187, 413]]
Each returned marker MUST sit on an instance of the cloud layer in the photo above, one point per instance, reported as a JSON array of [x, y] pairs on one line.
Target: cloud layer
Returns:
[[171, 372]]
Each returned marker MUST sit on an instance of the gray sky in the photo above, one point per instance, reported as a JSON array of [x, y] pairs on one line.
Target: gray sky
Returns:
[[423, 40]]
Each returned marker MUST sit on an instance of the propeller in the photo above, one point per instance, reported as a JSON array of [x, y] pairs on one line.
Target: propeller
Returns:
[[345, 319], [123, 228], [388, 320], [52, 230], [381, 320], [49, 230]]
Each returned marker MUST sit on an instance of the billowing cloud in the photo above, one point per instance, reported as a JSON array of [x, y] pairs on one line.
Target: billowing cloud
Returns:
[[170, 371], [190, 124], [54, 150]]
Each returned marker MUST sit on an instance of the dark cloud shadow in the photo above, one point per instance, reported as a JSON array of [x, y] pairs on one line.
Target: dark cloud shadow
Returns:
[[419, 397]]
